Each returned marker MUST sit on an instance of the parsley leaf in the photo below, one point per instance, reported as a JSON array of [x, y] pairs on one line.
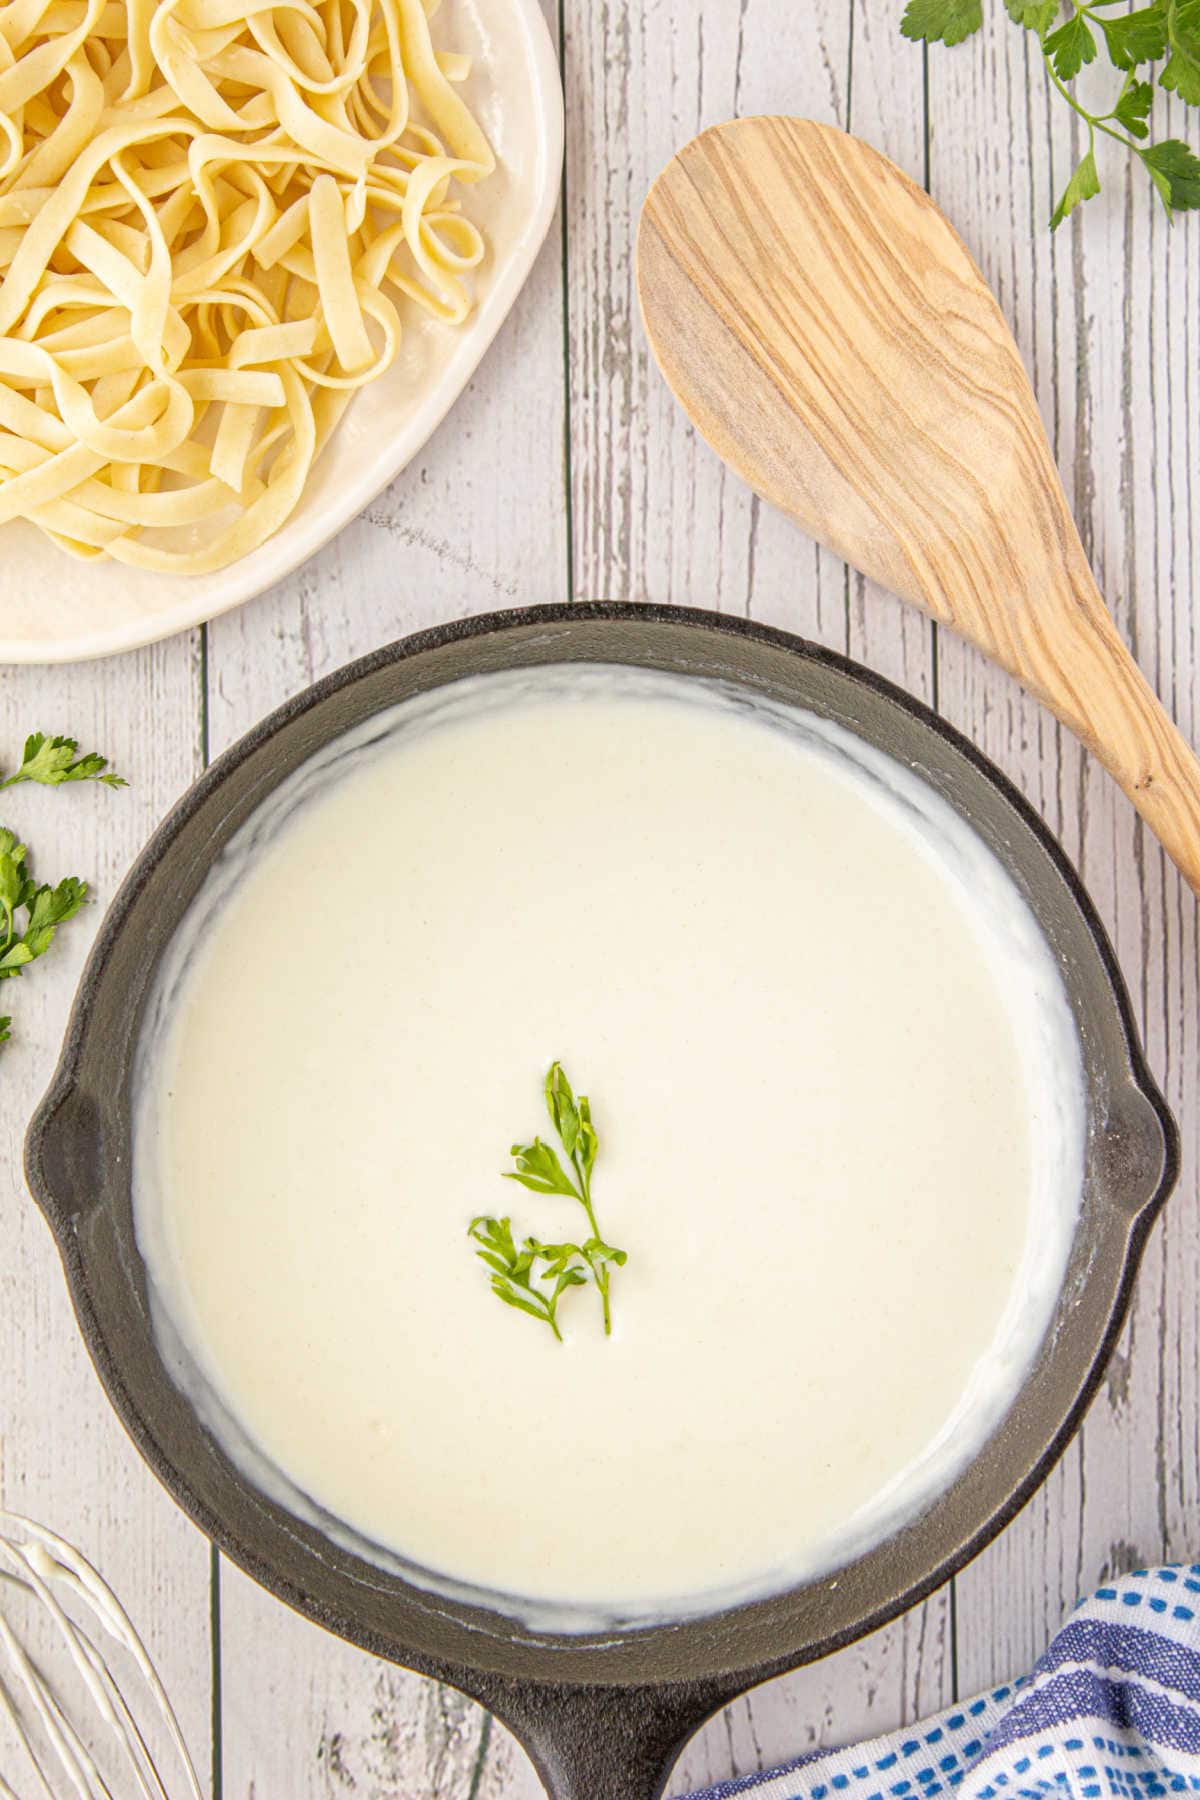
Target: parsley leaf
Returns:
[[539, 1170], [45, 909], [1136, 37], [1133, 108], [942, 21], [1083, 185], [1175, 171], [513, 1273], [53, 760], [50, 908], [1070, 47], [1034, 15], [1182, 73], [533, 1277]]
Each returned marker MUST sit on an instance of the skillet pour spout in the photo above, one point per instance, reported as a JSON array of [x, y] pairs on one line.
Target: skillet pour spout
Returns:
[[603, 1715]]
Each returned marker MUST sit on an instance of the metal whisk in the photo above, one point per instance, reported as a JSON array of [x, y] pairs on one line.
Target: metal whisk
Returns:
[[62, 1749]]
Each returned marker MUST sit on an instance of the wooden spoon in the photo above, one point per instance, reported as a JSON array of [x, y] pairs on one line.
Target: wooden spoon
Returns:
[[827, 331]]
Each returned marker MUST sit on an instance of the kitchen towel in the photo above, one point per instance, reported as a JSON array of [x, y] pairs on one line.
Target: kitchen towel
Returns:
[[1111, 1712]]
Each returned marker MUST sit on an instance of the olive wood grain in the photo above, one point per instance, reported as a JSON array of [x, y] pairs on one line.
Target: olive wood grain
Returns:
[[827, 331]]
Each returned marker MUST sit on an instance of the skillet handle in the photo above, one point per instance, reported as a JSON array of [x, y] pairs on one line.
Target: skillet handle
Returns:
[[606, 1743]]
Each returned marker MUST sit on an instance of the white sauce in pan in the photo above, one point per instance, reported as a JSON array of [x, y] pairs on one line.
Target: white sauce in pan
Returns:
[[838, 1096]]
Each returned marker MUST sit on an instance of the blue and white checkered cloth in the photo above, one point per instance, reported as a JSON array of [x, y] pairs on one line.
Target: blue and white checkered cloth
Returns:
[[1111, 1712]]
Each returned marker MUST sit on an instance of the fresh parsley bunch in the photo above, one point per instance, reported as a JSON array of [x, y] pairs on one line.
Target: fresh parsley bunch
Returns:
[[45, 908], [30, 913], [1132, 41]]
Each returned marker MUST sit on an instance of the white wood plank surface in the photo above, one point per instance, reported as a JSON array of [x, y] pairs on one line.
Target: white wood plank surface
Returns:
[[64, 1460], [1102, 316], [576, 475]]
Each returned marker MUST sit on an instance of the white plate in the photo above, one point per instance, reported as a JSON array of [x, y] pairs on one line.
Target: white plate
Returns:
[[55, 609]]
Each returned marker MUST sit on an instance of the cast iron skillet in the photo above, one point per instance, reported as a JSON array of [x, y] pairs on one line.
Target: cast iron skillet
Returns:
[[603, 1717]]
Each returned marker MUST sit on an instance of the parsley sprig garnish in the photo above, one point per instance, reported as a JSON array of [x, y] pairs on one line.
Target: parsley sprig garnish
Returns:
[[45, 908], [53, 760], [1167, 29], [534, 1276]]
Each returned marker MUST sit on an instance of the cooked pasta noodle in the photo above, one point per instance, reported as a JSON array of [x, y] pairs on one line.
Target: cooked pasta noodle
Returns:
[[210, 211]]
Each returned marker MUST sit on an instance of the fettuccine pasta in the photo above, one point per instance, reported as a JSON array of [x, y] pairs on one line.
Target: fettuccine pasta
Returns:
[[210, 213]]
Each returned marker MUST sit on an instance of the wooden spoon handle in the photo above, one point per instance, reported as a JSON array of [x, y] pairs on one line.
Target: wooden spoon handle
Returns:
[[1085, 674]]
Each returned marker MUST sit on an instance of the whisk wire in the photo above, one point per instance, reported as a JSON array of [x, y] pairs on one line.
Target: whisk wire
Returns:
[[44, 1566]]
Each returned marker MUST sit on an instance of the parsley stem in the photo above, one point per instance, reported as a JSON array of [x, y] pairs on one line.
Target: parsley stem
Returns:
[[1093, 121], [586, 1202], [600, 1274]]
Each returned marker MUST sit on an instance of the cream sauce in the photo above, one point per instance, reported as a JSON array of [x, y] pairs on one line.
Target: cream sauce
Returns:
[[838, 1095]]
